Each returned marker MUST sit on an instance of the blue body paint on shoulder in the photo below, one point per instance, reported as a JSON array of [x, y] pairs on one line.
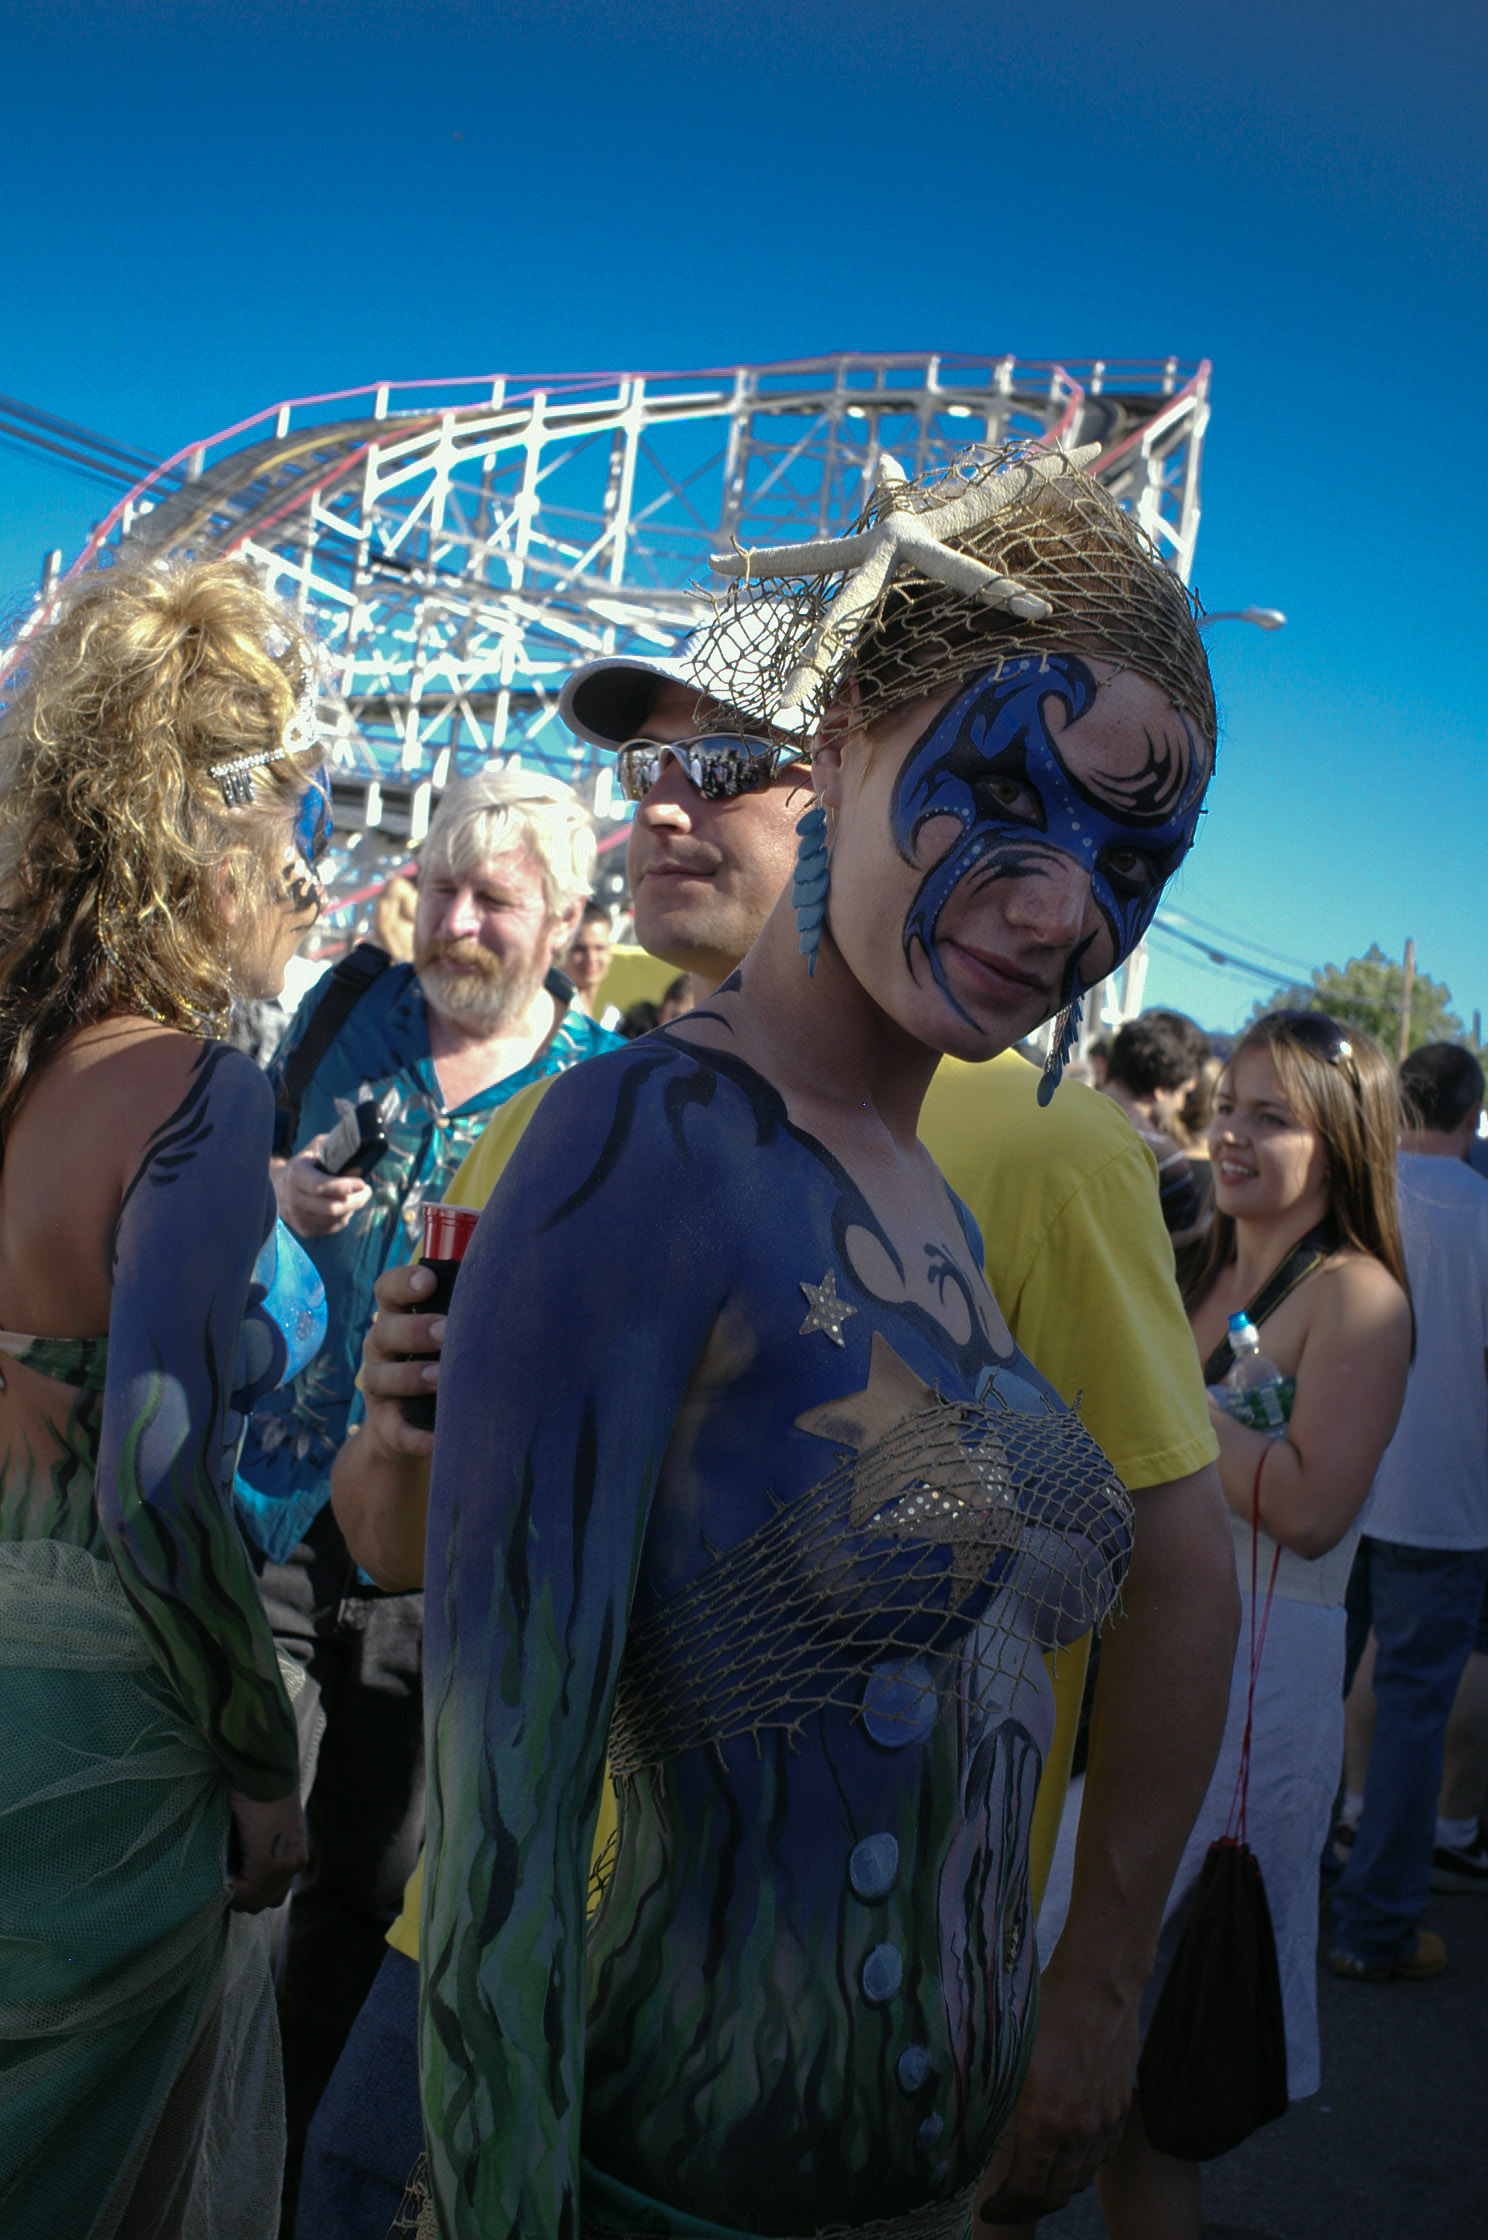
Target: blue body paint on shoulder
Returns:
[[187, 1347]]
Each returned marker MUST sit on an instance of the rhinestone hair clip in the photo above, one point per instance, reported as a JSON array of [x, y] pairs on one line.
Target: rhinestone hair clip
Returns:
[[300, 734]]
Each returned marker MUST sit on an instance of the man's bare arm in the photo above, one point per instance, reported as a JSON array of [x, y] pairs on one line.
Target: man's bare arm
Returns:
[[380, 1479], [1155, 1731]]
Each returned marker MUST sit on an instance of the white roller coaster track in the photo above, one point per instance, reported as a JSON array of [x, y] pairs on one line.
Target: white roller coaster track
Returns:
[[462, 544]]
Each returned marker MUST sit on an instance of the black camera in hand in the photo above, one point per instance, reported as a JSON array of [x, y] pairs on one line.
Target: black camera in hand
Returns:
[[357, 1141]]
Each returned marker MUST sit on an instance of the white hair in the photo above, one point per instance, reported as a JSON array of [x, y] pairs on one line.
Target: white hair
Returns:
[[480, 819]]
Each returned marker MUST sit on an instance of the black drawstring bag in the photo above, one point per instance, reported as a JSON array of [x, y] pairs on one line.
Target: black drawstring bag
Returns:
[[1213, 2068]]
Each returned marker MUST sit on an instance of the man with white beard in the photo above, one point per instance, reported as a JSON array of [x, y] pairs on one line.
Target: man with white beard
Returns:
[[406, 1063]]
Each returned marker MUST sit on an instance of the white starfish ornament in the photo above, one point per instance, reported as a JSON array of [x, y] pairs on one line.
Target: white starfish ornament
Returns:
[[903, 537]]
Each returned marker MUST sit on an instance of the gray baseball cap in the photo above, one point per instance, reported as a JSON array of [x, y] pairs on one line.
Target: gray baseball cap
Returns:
[[607, 701]]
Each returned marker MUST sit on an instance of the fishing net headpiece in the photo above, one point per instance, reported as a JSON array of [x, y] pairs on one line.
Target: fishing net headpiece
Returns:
[[1002, 553]]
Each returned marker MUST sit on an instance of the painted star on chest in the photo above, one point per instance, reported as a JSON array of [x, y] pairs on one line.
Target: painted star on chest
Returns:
[[828, 1312], [927, 1468]]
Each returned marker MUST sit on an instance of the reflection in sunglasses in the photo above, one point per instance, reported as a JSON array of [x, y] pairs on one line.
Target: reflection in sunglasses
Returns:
[[720, 765]]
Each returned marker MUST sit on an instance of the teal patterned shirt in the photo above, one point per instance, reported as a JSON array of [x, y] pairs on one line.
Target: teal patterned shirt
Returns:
[[382, 1048]]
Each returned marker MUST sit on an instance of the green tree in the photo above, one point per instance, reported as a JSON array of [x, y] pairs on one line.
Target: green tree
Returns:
[[1366, 993]]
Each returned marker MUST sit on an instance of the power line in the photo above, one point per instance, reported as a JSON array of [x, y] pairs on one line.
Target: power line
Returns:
[[53, 455], [1227, 935], [78, 450], [1222, 959]]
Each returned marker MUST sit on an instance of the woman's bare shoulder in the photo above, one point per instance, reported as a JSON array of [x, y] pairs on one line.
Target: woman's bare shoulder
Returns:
[[114, 1097], [112, 1049], [1357, 1294], [117, 1083], [159, 1058]]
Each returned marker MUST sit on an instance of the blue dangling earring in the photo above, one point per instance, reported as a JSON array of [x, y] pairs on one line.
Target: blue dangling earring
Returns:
[[809, 890], [1061, 1048]]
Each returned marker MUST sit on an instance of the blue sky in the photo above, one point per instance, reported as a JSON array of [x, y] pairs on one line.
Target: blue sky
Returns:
[[212, 207]]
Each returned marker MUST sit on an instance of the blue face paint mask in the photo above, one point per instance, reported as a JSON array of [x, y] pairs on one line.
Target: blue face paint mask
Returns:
[[312, 828], [988, 760]]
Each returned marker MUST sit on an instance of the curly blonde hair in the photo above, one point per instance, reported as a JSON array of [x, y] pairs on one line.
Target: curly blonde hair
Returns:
[[113, 833]]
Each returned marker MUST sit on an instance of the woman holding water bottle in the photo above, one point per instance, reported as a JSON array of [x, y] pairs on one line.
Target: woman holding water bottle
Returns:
[[1302, 1315]]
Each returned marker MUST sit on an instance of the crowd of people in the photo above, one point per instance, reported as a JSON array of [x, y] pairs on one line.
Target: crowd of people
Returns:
[[675, 1793]]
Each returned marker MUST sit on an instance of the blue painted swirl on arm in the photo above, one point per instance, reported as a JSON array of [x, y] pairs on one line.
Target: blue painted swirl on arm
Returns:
[[191, 1231]]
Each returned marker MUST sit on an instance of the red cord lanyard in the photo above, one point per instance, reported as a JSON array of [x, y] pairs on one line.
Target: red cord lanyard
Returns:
[[1235, 1824]]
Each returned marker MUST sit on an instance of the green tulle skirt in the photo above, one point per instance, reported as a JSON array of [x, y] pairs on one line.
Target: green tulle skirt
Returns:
[[139, 2059]]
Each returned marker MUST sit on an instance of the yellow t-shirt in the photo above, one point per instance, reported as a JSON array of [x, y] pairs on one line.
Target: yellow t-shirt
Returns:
[[475, 1178], [635, 976], [1079, 1262], [1077, 1257]]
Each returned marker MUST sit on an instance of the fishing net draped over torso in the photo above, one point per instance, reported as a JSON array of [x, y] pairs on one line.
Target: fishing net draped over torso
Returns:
[[970, 1537]]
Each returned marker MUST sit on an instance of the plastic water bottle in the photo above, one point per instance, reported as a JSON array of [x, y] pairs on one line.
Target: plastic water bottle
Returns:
[[1256, 1392]]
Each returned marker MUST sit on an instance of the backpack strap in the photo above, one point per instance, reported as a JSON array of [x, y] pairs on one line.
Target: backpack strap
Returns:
[[349, 982], [1307, 1253]]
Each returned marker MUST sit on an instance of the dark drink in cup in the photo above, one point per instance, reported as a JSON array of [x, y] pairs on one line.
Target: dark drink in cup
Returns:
[[447, 1232]]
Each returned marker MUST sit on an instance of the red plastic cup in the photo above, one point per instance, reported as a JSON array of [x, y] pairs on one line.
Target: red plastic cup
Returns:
[[447, 1234]]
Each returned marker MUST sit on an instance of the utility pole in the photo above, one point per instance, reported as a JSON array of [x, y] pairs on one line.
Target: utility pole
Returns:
[[1407, 983]]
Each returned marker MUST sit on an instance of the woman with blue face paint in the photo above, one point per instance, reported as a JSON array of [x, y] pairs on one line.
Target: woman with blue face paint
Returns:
[[161, 812], [738, 1467]]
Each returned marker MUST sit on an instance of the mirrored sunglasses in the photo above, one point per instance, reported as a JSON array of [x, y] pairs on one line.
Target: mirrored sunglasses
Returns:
[[721, 764]]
